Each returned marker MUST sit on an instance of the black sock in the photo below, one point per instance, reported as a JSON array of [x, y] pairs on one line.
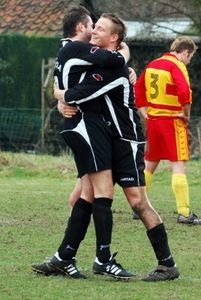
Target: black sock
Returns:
[[159, 242], [76, 229], [103, 221]]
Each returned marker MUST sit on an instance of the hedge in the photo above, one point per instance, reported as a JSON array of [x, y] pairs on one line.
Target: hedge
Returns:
[[20, 67]]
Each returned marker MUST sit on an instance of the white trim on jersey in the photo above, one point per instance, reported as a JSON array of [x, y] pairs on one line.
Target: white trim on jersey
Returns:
[[113, 115], [135, 148], [108, 87], [67, 67], [81, 129]]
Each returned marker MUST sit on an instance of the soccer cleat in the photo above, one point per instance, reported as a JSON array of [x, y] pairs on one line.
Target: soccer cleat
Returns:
[[46, 269], [162, 273], [192, 219], [135, 216], [56, 267], [111, 268]]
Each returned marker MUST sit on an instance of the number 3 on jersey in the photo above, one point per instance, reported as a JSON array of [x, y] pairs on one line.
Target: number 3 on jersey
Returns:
[[154, 86]]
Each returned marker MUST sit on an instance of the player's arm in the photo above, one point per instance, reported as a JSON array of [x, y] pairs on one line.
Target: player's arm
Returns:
[[184, 92], [186, 113], [140, 92], [132, 75], [181, 81], [83, 92], [96, 84], [124, 50], [104, 58], [143, 111]]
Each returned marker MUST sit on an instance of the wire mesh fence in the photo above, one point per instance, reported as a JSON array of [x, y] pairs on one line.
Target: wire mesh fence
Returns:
[[21, 131]]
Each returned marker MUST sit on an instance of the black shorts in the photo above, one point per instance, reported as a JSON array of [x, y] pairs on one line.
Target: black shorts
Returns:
[[128, 163], [90, 139]]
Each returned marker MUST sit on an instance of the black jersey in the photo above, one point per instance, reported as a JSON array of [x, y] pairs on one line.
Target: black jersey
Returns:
[[75, 58], [118, 104], [86, 133], [73, 61]]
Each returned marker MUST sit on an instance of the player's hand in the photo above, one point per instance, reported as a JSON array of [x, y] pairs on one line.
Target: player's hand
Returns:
[[132, 75], [182, 116], [122, 46], [66, 110], [124, 50]]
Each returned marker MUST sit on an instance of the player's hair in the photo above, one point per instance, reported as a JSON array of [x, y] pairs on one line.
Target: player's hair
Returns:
[[74, 16], [118, 28], [183, 43]]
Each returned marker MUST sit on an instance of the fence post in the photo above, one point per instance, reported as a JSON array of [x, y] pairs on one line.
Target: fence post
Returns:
[[42, 107]]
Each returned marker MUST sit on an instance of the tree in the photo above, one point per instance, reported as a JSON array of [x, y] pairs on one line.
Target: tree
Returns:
[[151, 11]]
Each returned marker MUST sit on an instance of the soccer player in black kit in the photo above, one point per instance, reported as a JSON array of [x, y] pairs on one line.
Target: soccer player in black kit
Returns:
[[127, 149], [86, 133]]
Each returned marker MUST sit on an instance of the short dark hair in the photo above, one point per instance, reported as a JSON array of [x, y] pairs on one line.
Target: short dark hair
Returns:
[[73, 16], [119, 27]]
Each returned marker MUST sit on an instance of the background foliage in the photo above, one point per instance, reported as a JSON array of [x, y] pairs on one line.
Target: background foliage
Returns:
[[20, 85], [20, 68]]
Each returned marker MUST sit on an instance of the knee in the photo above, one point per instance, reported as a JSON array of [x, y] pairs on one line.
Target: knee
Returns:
[[140, 205], [136, 204]]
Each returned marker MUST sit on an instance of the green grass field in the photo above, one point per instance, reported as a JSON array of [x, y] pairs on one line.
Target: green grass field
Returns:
[[34, 208]]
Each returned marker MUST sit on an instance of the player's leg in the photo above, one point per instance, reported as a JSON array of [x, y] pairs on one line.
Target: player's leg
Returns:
[[156, 232], [64, 259], [132, 166], [103, 222], [82, 209], [102, 182], [82, 191], [101, 141], [150, 167], [181, 192], [102, 214], [78, 223], [176, 147], [63, 262], [152, 151], [76, 193], [180, 187]]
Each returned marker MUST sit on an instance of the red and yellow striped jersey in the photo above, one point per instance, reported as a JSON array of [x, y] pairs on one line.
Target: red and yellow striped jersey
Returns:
[[163, 87]]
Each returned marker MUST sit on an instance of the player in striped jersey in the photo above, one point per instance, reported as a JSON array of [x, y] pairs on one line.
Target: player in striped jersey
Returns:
[[164, 97]]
